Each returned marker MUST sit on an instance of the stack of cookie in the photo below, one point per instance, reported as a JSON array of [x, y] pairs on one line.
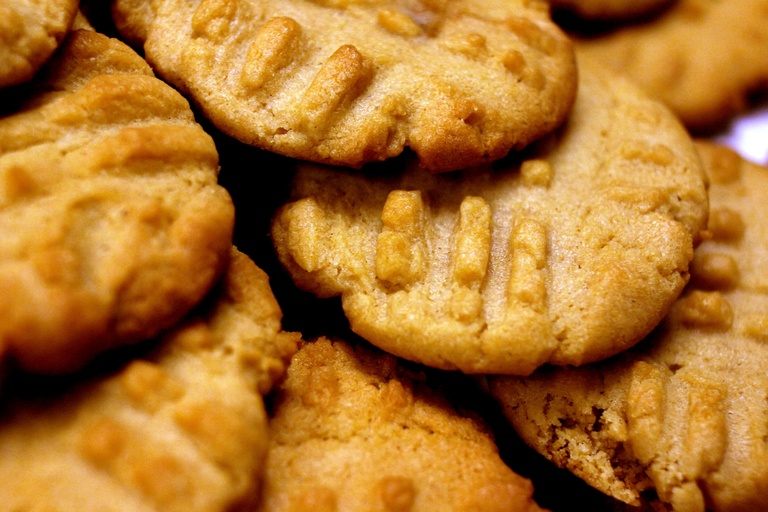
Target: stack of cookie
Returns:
[[343, 255], [137, 342]]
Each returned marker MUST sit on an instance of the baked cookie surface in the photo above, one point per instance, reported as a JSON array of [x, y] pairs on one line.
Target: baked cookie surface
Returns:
[[30, 31], [113, 224], [680, 420], [345, 83], [180, 425], [703, 59], [568, 255], [356, 429]]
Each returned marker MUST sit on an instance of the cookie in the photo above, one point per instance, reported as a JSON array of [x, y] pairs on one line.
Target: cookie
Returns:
[[345, 83], [680, 420], [30, 31], [179, 427], [568, 254], [356, 429], [113, 223], [698, 57], [609, 10]]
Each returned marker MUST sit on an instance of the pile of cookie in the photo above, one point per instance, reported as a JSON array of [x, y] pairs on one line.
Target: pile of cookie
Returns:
[[329, 255]]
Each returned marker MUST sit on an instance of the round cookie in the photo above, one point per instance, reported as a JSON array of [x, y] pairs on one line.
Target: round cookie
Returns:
[[113, 224], [356, 429], [30, 31], [345, 83], [679, 421], [569, 254], [703, 59], [180, 425]]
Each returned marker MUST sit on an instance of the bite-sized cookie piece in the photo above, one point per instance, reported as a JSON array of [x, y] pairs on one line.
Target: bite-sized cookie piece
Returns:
[[345, 83], [30, 31], [702, 58], [356, 429], [113, 224], [180, 428], [679, 421], [567, 255], [610, 10]]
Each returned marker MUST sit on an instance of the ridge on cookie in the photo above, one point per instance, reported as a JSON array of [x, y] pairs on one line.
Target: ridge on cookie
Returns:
[[176, 424], [346, 83], [569, 254], [113, 223], [677, 422]]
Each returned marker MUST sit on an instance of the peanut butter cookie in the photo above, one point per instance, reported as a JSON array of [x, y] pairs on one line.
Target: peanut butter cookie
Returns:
[[569, 254], [349, 82], [356, 429], [113, 224], [30, 31], [680, 420], [180, 426], [702, 58]]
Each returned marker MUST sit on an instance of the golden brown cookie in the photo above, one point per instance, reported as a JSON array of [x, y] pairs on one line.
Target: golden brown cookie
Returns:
[[356, 429], [345, 83], [180, 428], [679, 421], [113, 224], [30, 31], [567, 255], [702, 58]]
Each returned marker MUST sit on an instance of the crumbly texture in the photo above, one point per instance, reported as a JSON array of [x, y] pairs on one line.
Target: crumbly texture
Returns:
[[30, 31], [345, 83], [681, 419], [567, 255], [113, 224], [180, 426], [610, 10], [699, 57], [356, 429]]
